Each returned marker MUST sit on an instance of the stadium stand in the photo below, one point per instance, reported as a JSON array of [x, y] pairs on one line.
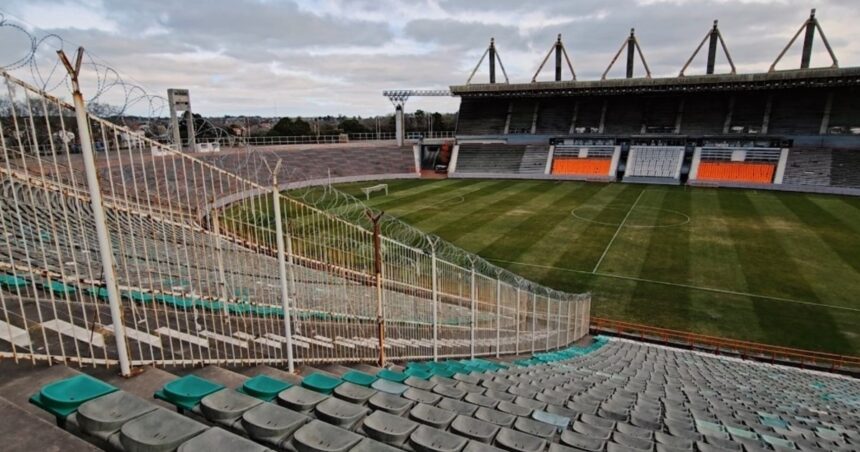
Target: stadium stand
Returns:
[[490, 158], [660, 114], [572, 161], [555, 115], [534, 159], [624, 115], [845, 111], [482, 116], [756, 173], [808, 167], [608, 395], [588, 115], [794, 112], [522, 115], [704, 114], [654, 163], [844, 168]]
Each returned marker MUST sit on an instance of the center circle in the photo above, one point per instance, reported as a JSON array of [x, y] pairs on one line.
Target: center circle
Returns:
[[640, 217]]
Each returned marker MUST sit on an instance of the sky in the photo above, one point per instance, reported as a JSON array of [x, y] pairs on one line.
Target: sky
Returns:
[[321, 57]]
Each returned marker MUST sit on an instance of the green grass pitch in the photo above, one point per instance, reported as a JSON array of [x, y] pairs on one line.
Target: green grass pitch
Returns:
[[778, 268]]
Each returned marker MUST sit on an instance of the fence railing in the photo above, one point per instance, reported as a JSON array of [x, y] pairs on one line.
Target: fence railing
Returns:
[[236, 141], [720, 345], [114, 249]]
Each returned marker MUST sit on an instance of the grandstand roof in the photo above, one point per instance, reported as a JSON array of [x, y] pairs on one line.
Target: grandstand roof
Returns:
[[819, 77]]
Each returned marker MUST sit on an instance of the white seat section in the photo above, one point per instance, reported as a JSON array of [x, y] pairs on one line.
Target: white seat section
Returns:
[[654, 161]]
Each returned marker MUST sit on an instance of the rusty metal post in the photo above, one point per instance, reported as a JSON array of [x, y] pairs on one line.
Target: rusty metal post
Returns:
[[377, 267]]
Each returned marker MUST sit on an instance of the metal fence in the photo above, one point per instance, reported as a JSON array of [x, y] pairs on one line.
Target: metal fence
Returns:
[[236, 141], [118, 250]]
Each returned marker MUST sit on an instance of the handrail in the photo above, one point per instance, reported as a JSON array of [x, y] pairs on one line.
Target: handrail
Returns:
[[744, 349]]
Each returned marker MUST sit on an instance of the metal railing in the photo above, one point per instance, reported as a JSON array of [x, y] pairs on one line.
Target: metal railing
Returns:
[[236, 141], [725, 346], [141, 255]]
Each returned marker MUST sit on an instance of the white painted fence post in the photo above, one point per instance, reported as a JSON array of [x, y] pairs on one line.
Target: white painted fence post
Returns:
[[474, 312], [102, 232], [282, 267]]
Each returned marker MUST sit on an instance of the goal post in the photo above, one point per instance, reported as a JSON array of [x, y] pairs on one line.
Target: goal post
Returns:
[[379, 187]]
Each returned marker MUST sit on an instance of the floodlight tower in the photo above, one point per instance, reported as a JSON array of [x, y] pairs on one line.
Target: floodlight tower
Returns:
[[180, 100], [399, 97]]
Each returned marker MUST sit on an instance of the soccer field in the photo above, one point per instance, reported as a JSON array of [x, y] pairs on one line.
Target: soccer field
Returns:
[[779, 268]]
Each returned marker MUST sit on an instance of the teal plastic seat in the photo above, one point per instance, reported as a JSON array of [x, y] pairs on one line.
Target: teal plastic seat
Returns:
[[263, 387], [358, 378], [239, 308], [7, 280], [209, 305], [138, 297], [62, 398], [186, 392], [391, 375], [421, 373], [58, 287], [320, 383], [389, 386], [175, 301], [98, 292]]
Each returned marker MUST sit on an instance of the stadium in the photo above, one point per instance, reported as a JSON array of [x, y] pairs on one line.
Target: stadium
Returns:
[[633, 264]]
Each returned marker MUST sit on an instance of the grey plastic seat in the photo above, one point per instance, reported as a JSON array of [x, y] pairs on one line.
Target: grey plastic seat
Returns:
[[561, 411], [560, 422], [499, 395], [517, 441], [556, 447], [226, 407], [475, 446], [271, 423], [512, 408], [495, 385], [632, 430], [481, 400], [157, 431], [421, 396], [300, 399], [470, 388], [317, 436], [613, 412], [495, 416], [432, 416], [419, 383], [723, 443], [523, 391], [530, 403], [597, 421], [449, 391], [474, 429], [390, 403], [673, 441], [388, 428], [632, 442], [339, 412], [471, 379], [221, 440], [429, 439], [457, 406], [105, 415], [615, 447], [443, 380], [353, 393], [388, 386], [535, 428], [369, 445], [592, 431], [582, 407], [580, 441]]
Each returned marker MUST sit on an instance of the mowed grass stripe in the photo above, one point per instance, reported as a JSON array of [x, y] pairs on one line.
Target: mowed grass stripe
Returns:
[[452, 201], [545, 250], [627, 254], [490, 204], [816, 247], [517, 240], [402, 202], [761, 255], [583, 250], [668, 259], [713, 256], [512, 221], [839, 235]]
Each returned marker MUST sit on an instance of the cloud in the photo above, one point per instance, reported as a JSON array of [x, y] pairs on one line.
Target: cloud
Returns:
[[316, 57]]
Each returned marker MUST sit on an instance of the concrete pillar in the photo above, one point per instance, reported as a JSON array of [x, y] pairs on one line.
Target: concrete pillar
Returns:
[[602, 117], [727, 124], [452, 165], [548, 168], [765, 122], [535, 117], [712, 50], [808, 38], [631, 53], [508, 117], [492, 61], [680, 163], [398, 125], [825, 117], [558, 61], [613, 166], [780, 167], [694, 166], [416, 155]]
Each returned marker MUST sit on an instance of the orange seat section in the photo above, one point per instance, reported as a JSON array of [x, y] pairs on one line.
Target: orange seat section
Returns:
[[757, 173], [580, 167]]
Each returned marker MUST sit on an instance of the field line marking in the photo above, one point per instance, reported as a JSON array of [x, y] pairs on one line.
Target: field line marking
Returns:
[[685, 286], [617, 231]]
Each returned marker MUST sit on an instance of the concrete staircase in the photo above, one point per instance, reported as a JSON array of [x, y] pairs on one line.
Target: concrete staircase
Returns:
[[534, 159]]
